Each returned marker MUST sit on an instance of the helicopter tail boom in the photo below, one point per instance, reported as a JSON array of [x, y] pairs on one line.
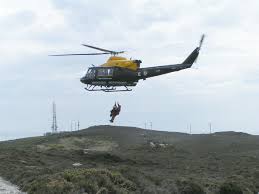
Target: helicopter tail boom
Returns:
[[159, 70], [192, 57]]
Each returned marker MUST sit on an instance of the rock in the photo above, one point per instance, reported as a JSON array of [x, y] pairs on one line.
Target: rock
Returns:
[[162, 145], [77, 164], [8, 188], [153, 145]]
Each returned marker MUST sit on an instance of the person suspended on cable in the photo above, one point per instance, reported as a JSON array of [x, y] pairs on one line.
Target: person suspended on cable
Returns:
[[115, 111]]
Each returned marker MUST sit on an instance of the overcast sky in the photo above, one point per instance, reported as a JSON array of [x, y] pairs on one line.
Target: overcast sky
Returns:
[[222, 88]]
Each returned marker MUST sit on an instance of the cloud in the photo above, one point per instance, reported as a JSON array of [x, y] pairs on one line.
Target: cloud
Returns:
[[157, 32]]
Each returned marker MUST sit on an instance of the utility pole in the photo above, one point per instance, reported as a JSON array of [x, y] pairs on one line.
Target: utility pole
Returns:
[[190, 128], [54, 126], [78, 125], [151, 125], [71, 126], [210, 127]]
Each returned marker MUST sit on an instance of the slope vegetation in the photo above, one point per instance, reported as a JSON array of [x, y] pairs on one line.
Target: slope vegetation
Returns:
[[107, 159]]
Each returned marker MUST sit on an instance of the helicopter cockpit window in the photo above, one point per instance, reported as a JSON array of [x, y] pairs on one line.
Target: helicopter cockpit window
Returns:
[[90, 73], [105, 72]]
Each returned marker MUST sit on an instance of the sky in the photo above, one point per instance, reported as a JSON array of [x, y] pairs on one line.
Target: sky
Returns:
[[222, 88]]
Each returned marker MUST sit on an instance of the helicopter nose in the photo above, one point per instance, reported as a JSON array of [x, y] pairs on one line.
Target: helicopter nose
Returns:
[[82, 79]]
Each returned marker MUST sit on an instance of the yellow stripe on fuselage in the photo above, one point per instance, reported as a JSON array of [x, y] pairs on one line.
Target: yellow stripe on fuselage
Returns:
[[122, 62]]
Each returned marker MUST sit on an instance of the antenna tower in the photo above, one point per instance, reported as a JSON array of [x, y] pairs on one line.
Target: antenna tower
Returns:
[[54, 126]]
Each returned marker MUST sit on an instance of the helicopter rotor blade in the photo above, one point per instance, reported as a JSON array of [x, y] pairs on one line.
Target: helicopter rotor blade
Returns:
[[201, 41], [105, 50], [97, 48], [82, 54]]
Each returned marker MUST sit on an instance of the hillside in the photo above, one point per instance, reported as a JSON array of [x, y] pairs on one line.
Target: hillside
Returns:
[[107, 159]]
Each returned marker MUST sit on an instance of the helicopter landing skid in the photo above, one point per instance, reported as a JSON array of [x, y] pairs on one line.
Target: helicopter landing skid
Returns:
[[117, 90], [107, 89]]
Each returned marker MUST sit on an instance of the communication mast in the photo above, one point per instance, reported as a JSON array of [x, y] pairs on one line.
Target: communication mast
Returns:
[[54, 126]]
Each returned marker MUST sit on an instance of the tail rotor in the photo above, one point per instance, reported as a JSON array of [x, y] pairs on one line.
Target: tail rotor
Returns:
[[200, 45], [201, 41]]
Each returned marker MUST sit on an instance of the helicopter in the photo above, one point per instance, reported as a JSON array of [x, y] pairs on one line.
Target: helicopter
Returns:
[[120, 74]]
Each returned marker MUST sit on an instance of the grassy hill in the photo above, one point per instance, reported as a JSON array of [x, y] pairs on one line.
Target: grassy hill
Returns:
[[107, 159]]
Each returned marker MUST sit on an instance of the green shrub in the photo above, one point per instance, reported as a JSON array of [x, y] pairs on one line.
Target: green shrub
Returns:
[[189, 187], [80, 181], [230, 188]]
